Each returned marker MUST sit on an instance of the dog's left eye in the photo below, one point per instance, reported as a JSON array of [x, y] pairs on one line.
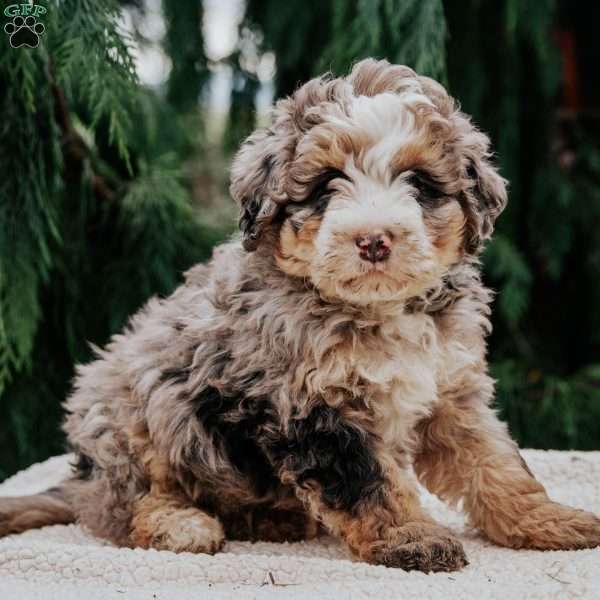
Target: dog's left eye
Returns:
[[430, 191]]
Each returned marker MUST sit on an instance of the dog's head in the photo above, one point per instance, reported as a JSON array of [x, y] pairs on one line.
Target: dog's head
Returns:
[[371, 186]]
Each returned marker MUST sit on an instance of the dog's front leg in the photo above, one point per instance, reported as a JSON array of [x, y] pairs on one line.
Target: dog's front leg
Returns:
[[167, 521], [467, 454], [360, 495]]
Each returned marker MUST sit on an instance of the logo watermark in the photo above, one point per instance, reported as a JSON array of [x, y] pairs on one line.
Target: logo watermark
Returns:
[[24, 29]]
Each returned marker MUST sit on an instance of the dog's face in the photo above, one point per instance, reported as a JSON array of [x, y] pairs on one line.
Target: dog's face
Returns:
[[381, 221], [370, 186]]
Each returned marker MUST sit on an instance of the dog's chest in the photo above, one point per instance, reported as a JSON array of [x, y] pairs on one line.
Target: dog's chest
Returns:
[[399, 370]]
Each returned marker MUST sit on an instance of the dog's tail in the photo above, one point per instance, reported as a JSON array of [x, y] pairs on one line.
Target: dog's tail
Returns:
[[20, 513]]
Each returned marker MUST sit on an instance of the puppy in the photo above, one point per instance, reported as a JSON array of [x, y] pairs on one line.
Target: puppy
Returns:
[[291, 384]]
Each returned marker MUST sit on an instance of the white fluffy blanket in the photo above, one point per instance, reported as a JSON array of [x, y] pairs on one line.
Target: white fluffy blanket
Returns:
[[64, 562]]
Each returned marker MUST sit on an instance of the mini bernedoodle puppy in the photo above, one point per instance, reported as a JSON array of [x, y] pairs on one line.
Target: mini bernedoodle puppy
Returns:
[[291, 384]]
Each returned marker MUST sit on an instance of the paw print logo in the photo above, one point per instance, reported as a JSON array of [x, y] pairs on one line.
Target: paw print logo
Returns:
[[24, 31]]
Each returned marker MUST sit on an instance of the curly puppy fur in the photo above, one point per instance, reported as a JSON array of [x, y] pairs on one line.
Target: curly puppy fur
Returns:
[[291, 383]]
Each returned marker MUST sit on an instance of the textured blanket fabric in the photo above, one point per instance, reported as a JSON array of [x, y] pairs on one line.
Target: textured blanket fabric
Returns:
[[64, 562]]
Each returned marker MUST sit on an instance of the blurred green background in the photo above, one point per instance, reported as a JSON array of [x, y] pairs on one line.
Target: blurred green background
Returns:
[[116, 134]]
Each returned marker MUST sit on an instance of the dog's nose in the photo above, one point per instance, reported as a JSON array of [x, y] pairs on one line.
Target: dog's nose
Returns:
[[374, 247]]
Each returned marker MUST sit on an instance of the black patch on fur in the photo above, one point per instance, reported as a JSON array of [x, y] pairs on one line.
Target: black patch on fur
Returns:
[[316, 202], [55, 492], [473, 174], [83, 466], [472, 171], [318, 192], [320, 186], [234, 422], [249, 222], [325, 449], [431, 193], [175, 375], [268, 163]]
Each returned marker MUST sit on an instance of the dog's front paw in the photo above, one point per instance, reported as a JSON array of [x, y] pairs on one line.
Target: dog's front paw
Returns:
[[422, 547], [553, 526]]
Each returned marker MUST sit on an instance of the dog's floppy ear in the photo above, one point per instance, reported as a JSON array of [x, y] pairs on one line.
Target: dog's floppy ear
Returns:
[[258, 176], [489, 191], [255, 174], [261, 178], [484, 190]]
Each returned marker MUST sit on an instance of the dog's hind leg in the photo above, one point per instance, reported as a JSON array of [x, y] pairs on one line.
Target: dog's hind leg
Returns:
[[166, 522]]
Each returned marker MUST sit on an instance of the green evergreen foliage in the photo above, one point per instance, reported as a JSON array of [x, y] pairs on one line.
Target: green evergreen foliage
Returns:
[[185, 46], [95, 213], [297, 34], [411, 32], [242, 112]]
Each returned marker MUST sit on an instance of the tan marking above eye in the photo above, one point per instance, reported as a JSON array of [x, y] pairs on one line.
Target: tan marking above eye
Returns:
[[415, 154]]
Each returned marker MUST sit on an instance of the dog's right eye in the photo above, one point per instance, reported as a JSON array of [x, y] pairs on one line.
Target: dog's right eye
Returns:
[[324, 179], [316, 200], [321, 191]]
